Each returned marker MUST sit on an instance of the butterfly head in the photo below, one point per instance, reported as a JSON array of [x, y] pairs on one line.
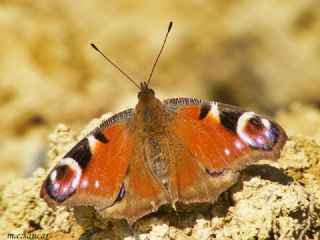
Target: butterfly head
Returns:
[[145, 92]]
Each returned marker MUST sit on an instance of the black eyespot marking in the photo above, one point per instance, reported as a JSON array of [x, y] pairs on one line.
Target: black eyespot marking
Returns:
[[255, 122], [229, 119], [204, 110], [63, 180], [61, 171], [258, 133], [80, 153], [100, 136]]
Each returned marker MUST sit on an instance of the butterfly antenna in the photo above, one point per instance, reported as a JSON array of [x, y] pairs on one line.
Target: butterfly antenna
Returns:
[[155, 63], [126, 75]]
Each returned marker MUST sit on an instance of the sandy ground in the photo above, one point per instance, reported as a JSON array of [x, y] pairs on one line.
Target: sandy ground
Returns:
[[261, 55]]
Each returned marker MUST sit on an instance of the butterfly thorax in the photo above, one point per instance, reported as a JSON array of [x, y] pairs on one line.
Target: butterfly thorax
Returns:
[[149, 112]]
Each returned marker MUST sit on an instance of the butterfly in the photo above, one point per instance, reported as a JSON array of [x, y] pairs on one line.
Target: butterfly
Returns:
[[181, 150]]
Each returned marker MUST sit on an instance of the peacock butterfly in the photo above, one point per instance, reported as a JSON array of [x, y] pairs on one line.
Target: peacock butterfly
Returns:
[[179, 150]]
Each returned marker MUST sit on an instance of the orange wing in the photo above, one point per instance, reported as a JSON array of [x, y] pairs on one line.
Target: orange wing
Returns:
[[217, 141], [223, 136], [92, 173]]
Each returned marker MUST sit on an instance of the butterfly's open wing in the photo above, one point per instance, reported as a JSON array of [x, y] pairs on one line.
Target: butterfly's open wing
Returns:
[[92, 172], [216, 140]]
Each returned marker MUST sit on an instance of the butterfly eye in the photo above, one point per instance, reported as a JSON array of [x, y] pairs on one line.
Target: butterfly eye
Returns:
[[64, 179]]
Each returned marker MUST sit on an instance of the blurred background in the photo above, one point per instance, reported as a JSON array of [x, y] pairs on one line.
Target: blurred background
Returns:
[[261, 55]]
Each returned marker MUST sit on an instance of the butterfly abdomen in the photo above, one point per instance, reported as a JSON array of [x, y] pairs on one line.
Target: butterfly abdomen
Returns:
[[157, 156]]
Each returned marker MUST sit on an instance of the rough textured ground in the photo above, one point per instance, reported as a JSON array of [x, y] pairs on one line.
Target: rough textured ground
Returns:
[[272, 200]]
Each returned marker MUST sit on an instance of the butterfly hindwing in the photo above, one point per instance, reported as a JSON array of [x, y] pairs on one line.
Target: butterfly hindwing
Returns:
[[189, 181], [93, 171], [144, 193]]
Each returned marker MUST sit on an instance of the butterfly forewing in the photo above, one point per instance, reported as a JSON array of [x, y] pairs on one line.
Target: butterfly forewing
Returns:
[[222, 136], [93, 171]]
